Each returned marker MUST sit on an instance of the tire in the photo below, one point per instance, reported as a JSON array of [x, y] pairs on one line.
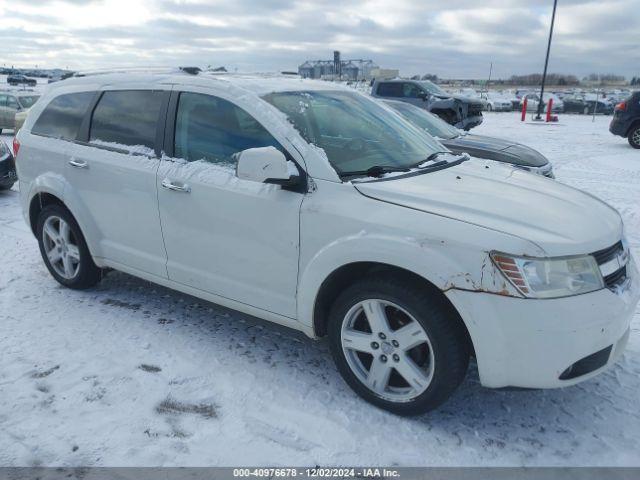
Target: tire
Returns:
[[440, 354], [634, 136], [73, 267]]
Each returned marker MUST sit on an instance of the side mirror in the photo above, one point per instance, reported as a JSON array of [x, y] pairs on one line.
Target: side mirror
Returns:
[[423, 96], [267, 165]]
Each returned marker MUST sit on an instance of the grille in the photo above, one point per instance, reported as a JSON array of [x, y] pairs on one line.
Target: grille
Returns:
[[606, 254], [619, 276]]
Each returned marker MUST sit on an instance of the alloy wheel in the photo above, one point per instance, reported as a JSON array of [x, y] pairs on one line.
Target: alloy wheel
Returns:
[[61, 247], [388, 350]]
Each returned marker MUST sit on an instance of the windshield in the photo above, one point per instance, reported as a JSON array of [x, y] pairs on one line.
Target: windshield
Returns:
[[427, 121], [27, 101], [433, 88], [355, 132]]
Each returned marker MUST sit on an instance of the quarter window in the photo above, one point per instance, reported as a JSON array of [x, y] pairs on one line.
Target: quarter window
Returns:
[[127, 118], [63, 116], [212, 129]]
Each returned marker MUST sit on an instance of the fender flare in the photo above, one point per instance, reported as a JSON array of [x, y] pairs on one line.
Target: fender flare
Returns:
[[58, 186], [430, 264]]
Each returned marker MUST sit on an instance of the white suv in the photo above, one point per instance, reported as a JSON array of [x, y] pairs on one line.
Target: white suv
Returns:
[[318, 208]]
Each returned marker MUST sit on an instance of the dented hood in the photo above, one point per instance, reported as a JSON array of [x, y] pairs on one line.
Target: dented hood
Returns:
[[559, 219]]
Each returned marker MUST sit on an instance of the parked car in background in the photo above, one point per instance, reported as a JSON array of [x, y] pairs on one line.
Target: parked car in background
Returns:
[[459, 111], [12, 103], [480, 146], [317, 207], [497, 102], [7, 167], [587, 103], [626, 120], [534, 98], [16, 80]]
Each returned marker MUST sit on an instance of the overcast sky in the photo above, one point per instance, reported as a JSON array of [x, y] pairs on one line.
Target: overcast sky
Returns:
[[449, 38]]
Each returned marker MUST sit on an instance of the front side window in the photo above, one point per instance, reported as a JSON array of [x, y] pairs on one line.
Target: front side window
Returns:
[[63, 116], [355, 132], [3, 100], [409, 90], [126, 118], [433, 88], [213, 129], [27, 101]]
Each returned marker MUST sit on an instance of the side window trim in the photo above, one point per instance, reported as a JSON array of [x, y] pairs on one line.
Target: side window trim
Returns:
[[170, 124], [83, 131]]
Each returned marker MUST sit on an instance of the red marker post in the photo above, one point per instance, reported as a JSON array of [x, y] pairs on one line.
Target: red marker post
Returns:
[[524, 109], [549, 109]]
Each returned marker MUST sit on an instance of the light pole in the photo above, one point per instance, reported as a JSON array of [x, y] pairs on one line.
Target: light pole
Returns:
[[546, 63]]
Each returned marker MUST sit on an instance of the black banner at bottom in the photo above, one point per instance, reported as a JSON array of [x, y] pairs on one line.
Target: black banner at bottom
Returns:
[[317, 473]]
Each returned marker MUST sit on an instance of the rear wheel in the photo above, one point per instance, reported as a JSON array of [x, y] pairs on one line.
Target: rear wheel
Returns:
[[397, 346], [634, 136], [64, 249]]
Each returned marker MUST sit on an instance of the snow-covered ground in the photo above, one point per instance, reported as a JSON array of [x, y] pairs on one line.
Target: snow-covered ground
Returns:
[[130, 373]]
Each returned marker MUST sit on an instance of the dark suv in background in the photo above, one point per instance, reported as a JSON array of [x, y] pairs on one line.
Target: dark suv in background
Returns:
[[626, 120], [16, 80], [457, 110]]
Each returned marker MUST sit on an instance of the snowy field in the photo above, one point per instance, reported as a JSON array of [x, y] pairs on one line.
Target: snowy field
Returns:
[[130, 373]]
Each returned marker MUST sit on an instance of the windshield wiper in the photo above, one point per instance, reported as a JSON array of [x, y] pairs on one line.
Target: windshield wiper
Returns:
[[430, 158], [376, 171]]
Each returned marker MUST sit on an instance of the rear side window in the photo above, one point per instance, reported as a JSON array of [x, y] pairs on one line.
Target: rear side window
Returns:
[[212, 129], [390, 89], [63, 116], [127, 118]]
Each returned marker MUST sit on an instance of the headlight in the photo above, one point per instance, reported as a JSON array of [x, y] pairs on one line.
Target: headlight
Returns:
[[550, 277]]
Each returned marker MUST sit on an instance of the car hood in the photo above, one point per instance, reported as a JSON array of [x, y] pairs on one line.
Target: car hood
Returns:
[[491, 148], [559, 219], [462, 98]]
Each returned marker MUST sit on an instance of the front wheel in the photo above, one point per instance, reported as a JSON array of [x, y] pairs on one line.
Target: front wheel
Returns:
[[634, 137], [397, 346], [64, 249]]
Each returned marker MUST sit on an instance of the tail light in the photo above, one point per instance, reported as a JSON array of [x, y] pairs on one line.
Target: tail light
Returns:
[[16, 146], [621, 107]]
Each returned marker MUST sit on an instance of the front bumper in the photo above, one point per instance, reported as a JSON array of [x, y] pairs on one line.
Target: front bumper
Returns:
[[532, 343]]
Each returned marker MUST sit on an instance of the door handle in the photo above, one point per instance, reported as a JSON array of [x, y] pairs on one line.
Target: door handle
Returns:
[[78, 163], [176, 187]]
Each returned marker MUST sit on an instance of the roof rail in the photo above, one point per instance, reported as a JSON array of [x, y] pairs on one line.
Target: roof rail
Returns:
[[150, 70]]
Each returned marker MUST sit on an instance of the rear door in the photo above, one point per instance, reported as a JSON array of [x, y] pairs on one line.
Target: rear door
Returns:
[[234, 238], [113, 170]]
